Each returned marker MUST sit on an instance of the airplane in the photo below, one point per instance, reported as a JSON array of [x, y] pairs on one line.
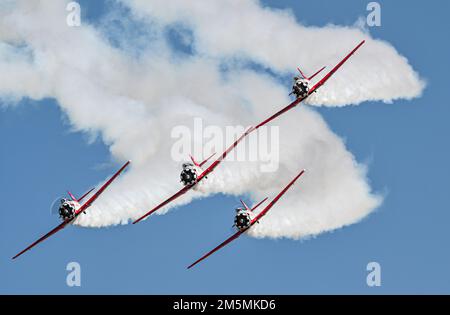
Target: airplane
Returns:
[[301, 87], [70, 209], [245, 219], [192, 173]]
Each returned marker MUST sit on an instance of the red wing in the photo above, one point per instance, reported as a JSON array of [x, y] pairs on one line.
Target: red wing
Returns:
[[56, 229], [88, 203], [270, 205], [224, 154], [178, 194], [292, 105], [230, 239], [313, 89], [329, 74]]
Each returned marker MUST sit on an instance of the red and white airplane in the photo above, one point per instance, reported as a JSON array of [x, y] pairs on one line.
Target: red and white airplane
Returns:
[[245, 219], [69, 210], [192, 173], [302, 88]]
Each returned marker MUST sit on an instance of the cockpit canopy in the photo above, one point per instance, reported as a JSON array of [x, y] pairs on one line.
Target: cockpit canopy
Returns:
[[187, 165]]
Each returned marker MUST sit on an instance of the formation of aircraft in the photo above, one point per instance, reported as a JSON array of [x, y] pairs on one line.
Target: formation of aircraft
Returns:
[[193, 173]]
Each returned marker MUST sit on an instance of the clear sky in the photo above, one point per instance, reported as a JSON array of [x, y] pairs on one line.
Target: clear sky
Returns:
[[405, 145]]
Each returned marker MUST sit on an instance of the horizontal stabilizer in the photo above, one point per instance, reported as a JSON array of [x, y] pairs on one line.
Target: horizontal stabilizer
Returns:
[[87, 193], [311, 77]]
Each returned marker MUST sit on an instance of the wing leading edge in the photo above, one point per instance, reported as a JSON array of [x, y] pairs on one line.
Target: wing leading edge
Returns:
[[56, 229], [182, 191], [224, 154], [88, 203]]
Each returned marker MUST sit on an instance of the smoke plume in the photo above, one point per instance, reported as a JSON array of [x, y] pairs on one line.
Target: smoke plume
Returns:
[[149, 66]]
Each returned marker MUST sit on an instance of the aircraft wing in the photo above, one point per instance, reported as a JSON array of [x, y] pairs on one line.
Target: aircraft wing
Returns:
[[162, 204], [255, 220], [313, 89], [88, 203], [230, 239], [332, 71], [80, 210], [282, 111], [224, 154], [56, 229], [270, 205]]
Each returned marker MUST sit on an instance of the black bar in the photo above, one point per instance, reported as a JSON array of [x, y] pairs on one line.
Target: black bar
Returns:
[[293, 304]]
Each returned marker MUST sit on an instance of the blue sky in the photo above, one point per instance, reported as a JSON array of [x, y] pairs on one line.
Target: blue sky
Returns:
[[404, 144]]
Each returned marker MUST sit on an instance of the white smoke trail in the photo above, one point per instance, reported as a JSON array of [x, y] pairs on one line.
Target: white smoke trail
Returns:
[[134, 97], [273, 38]]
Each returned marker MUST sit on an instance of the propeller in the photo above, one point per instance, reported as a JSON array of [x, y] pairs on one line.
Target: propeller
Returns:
[[54, 208]]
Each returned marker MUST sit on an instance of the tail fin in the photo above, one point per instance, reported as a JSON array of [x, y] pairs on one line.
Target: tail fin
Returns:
[[81, 198], [204, 161], [311, 77], [245, 205], [193, 160], [72, 196]]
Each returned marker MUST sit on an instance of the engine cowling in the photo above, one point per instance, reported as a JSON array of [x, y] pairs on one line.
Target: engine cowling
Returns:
[[66, 210], [300, 88], [188, 175], [242, 220]]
